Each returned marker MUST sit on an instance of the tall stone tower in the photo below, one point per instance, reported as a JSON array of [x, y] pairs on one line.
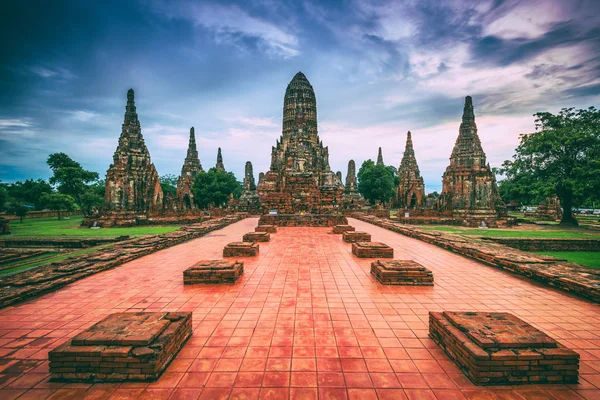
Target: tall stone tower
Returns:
[[300, 178], [191, 166], [249, 200], [380, 157], [219, 164], [469, 186], [132, 183], [410, 192], [352, 199]]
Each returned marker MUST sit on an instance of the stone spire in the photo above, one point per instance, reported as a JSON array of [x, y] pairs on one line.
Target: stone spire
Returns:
[[379, 157], [191, 165], [351, 198], [469, 186], [132, 183], [261, 176], [249, 200], [249, 177], [339, 175], [220, 165], [351, 182], [300, 178], [410, 192]]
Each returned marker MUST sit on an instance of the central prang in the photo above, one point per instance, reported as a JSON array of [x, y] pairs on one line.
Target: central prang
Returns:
[[300, 179]]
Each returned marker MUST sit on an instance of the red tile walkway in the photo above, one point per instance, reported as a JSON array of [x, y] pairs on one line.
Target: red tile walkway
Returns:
[[306, 321]]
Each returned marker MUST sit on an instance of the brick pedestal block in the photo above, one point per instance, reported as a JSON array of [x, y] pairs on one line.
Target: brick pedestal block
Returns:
[[351, 237], [241, 249], [343, 228], [257, 237], [372, 250], [501, 349], [266, 228], [302, 220], [401, 272], [213, 271], [122, 347]]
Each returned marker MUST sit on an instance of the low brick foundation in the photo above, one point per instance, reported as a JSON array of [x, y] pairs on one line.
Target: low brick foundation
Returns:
[[548, 244], [314, 220], [241, 249], [501, 349], [122, 347], [257, 237], [213, 271], [351, 237], [401, 272], [339, 229], [266, 228], [372, 250]]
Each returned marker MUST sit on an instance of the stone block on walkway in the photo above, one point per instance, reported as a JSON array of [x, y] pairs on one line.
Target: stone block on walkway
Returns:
[[213, 271], [257, 237], [496, 348], [401, 272], [339, 229], [241, 249], [372, 250], [356, 236], [131, 346], [266, 228]]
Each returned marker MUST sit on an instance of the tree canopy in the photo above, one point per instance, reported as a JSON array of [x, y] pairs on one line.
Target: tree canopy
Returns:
[[70, 176], [377, 182], [213, 188], [168, 183], [59, 202], [562, 157]]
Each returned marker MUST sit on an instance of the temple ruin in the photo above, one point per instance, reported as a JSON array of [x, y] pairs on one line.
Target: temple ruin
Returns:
[[410, 192], [300, 179], [249, 200], [220, 166], [191, 166], [469, 188], [133, 190], [351, 198], [380, 157]]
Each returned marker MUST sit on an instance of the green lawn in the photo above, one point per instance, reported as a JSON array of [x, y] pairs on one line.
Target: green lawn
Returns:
[[538, 233], [587, 258], [52, 227]]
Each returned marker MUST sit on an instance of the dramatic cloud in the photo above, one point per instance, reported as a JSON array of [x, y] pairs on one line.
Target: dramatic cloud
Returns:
[[379, 69]]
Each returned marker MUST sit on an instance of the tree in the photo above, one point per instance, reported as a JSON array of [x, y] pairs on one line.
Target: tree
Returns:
[[168, 183], [29, 192], [90, 202], [59, 202], [213, 188], [377, 182], [3, 196], [21, 211], [70, 176], [562, 157]]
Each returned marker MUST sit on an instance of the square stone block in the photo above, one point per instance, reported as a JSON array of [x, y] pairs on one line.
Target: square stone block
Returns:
[[213, 271], [122, 347], [241, 249], [356, 236], [500, 349], [343, 228], [372, 250], [401, 272], [266, 228], [257, 237]]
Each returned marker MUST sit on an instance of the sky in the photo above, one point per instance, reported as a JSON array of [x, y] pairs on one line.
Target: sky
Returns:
[[379, 69]]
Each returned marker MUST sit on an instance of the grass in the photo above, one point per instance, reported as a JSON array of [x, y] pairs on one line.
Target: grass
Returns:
[[519, 233], [587, 258], [52, 227]]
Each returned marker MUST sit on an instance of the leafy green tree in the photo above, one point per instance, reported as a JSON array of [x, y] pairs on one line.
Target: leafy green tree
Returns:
[[70, 176], [29, 192], [59, 202], [21, 211], [168, 183], [98, 187], [213, 188], [90, 201], [562, 157], [377, 182], [3, 196]]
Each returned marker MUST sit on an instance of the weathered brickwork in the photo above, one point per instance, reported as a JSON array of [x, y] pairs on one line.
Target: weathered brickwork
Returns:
[[548, 244], [401, 272], [249, 200], [563, 275], [302, 220], [351, 197], [500, 349], [356, 236], [372, 250], [410, 192], [241, 249], [191, 167], [266, 228], [257, 237], [46, 278], [122, 347], [339, 229], [213, 271]]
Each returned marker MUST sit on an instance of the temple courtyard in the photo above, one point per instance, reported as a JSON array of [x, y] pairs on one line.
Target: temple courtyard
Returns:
[[306, 320]]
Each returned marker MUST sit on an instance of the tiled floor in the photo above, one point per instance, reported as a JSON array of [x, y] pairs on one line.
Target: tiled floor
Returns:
[[306, 321]]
